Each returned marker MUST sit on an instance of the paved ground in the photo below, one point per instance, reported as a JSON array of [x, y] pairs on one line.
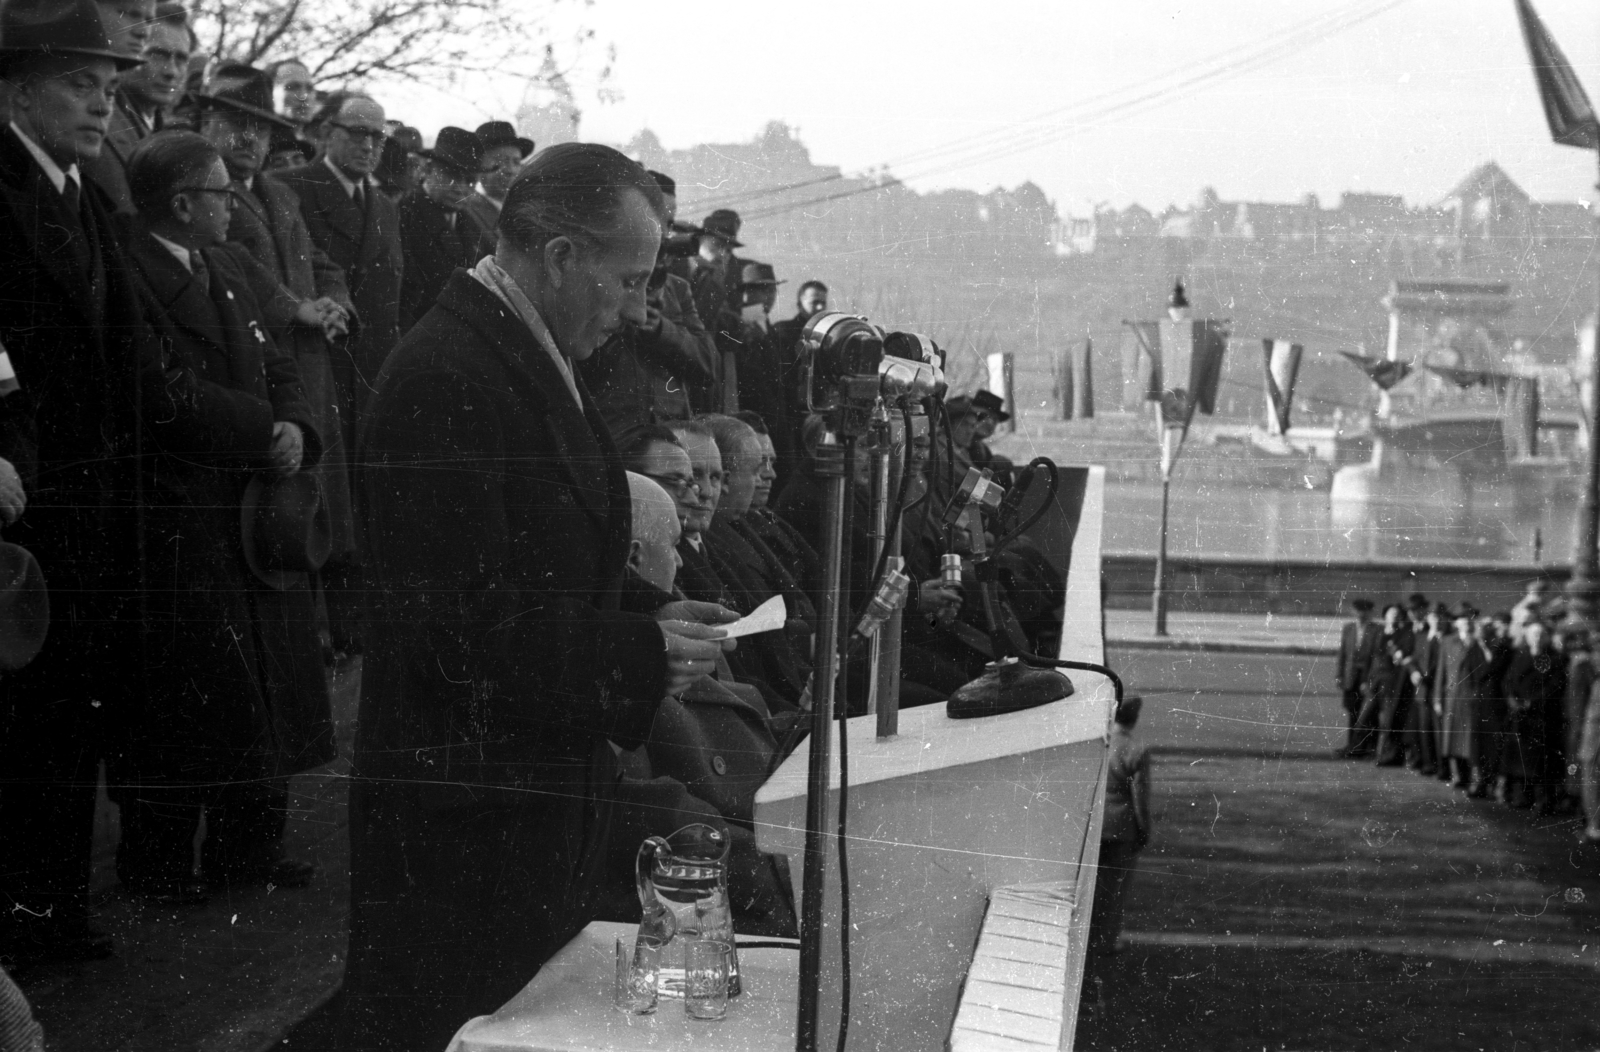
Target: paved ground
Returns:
[[1288, 901], [1293, 901], [228, 977], [1225, 632]]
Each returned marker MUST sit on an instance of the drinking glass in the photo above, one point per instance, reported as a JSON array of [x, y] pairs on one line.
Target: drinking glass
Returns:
[[705, 978], [638, 961]]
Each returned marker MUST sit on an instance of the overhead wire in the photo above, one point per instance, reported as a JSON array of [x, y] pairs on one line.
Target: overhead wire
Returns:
[[964, 151]]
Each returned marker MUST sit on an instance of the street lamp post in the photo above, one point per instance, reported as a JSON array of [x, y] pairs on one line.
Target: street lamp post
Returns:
[[1584, 584], [1172, 433]]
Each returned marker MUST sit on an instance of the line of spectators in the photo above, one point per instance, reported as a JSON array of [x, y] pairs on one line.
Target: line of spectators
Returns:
[[1496, 705]]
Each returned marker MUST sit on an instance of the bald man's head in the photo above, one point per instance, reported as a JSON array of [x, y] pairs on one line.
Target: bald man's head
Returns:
[[653, 550]]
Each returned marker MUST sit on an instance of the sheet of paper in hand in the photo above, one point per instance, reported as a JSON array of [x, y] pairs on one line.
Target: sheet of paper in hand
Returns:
[[768, 617]]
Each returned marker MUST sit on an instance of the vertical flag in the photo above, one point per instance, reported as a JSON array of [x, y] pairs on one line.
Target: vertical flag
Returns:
[[1191, 367], [1520, 421], [1141, 364], [1002, 383], [1066, 391], [1083, 383], [1282, 361], [1566, 106]]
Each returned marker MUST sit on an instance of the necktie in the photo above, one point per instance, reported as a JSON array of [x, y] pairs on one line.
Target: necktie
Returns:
[[71, 202], [360, 197], [202, 273]]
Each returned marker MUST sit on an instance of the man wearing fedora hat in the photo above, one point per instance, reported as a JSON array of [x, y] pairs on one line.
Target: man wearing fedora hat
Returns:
[[73, 339], [989, 410], [764, 383], [312, 309], [437, 234], [504, 154], [714, 274], [235, 699]]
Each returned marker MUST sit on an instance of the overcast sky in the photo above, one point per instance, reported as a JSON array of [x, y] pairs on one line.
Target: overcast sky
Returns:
[[978, 94]]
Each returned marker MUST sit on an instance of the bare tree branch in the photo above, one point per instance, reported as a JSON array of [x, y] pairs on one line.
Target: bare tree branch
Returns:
[[343, 41]]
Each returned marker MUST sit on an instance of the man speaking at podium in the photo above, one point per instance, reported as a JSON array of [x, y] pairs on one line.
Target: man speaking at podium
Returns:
[[499, 662]]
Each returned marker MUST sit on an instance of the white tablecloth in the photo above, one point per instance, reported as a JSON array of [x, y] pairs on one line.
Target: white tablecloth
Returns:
[[567, 1008]]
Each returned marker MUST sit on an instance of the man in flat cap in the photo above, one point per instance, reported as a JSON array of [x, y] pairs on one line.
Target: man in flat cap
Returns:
[[1356, 642], [437, 234]]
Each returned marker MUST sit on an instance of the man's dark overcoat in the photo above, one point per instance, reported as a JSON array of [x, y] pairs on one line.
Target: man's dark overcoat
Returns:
[[365, 244], [1463, 686], [497, 666], [235, 686], [433, 247], [640, 378], [268, 225], [70, 324]]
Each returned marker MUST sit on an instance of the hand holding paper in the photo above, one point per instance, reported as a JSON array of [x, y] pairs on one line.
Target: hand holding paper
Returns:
[[768, 617]]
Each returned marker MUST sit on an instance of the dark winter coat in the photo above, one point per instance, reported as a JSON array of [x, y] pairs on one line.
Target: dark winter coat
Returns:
[[269, 226], [366, 246], [498, 663], [235, 685]]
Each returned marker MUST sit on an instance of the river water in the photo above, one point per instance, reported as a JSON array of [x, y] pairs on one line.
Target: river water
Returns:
[[1494, 525]]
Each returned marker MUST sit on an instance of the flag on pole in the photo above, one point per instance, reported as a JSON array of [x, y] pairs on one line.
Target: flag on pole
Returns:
[[1282, 361], [1141, 363], [1380, 371], [1002, 383], [1083, 382], [1566, 105], [1066, 391], [1191, 364]]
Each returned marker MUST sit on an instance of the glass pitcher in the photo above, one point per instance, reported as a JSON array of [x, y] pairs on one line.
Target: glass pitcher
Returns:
[[683, 893]]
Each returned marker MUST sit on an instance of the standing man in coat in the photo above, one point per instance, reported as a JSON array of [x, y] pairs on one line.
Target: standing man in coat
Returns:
[[1356, 641], [714, 275], [358, 227], [235, 699], [127, 24], [504, 153], [644, 374], [437, 233], [500, 667], [71, 335], [153, 89], [311, 310]]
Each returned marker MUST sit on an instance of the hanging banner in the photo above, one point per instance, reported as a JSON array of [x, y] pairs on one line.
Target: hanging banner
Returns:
[[1191, 367], [1520, 416], [1282, 361], [1002, 384], [1065, 388], [1141, 364], [1083, 382], [1380, 371]]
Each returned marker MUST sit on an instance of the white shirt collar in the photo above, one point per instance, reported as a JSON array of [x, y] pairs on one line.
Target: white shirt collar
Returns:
[[344, 180], [179, 253], [53, 171], [491, 276]]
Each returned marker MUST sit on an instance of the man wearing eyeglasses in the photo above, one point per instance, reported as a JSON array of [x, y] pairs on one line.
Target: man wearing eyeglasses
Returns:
[[358, 227], [311, 312], [213, 730]]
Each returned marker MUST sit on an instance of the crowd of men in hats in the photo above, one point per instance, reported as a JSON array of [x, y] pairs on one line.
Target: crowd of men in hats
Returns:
[[1502, 705], [233, 310]]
